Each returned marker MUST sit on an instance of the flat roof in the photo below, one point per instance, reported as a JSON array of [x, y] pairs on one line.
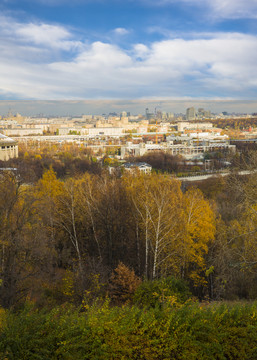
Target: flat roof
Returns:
[[5, 140]]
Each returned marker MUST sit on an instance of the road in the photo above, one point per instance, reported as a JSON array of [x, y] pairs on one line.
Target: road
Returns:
[[207, 176]]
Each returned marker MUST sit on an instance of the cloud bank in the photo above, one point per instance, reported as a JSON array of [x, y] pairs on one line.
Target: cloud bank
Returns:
[[44, 61]]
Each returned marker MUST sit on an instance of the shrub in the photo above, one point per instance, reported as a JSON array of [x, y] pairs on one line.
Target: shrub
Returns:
[[104, 332], [157, 292], [123, 283]]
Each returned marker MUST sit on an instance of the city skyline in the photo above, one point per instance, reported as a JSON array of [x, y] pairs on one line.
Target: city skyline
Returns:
[[98, 107], [84, 49]]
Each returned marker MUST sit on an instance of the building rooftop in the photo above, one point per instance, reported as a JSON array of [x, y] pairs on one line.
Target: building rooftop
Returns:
[[5, 140], [136, 164]]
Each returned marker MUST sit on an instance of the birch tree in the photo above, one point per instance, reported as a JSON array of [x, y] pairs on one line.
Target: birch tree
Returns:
[[157, 201]]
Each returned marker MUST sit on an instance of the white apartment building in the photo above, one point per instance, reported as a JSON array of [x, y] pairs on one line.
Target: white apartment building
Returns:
[[8, 148], [193, 151], [106, 131], [72, 130], [22, 131]]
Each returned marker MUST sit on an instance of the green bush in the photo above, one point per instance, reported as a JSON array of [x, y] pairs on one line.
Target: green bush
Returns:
[[158, 292], [102, 332]]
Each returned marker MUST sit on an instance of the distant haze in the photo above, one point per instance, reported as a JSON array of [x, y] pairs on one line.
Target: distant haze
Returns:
[[98, 107]]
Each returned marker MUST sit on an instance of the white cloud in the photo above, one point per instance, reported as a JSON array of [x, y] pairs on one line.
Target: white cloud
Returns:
[[42, 66], [226, 9], [141, 51], [45, 34], [101, 55], [234, 8], [37, 35], [121, 31]]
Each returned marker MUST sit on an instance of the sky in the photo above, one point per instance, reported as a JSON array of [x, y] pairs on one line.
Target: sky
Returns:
[[128, 49]]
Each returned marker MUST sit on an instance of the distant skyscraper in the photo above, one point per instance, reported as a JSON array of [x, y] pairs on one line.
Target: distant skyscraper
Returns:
[[203, 113], [149, 115], [190, 114]]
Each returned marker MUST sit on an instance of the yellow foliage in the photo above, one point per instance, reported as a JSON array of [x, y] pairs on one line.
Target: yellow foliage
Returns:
[[199, 229], [49, 185], [177, 226], [2, 317], [68, 283]]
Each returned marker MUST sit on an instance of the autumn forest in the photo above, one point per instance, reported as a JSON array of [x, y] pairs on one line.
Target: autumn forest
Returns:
[[93, 248]]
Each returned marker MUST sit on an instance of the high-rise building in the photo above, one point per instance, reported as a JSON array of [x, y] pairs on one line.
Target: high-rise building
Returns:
[[149, 115], [190, 113], [203, 113], [123, 114]]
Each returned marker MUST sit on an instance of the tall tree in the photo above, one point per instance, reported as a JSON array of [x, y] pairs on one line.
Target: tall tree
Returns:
[[157, 201], [198, 230], [18, 253]]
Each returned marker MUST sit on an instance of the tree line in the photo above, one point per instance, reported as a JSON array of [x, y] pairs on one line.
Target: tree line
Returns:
[[61, 239], [64, 233], [233, 123]]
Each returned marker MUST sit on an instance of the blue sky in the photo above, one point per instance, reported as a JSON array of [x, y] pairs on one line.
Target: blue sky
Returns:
[[128, 49]]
